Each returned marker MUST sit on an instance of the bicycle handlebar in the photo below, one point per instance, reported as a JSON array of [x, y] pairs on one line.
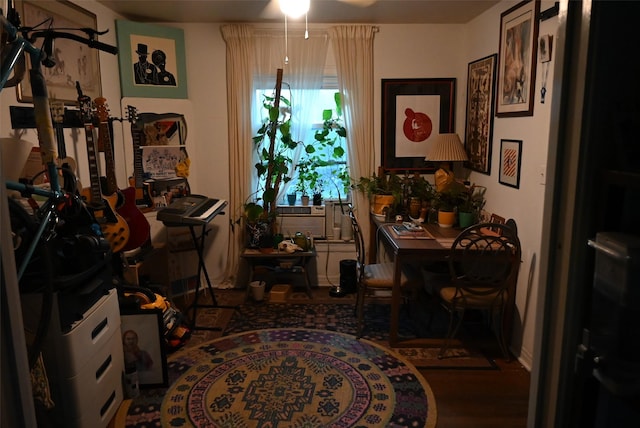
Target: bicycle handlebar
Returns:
[[13, 33], [92, 43]]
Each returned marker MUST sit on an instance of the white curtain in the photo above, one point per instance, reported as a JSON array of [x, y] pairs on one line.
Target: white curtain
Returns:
[[240, 66], [353, 49], [253, 57], [302, 76]]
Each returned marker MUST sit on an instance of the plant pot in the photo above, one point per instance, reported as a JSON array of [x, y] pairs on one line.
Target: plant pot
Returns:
[[291, 198], [446, 218], [414, 207], [305, 200], [466, 219], [259, 235], [317, 199], [380, 202]]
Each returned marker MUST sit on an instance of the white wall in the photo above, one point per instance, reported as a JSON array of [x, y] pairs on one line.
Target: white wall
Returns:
[[401, 51]]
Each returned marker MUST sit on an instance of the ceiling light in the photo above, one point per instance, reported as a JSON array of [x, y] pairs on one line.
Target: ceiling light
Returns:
[[294, 8]]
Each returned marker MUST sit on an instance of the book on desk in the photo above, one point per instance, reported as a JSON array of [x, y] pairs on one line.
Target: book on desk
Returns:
[[409, 231]]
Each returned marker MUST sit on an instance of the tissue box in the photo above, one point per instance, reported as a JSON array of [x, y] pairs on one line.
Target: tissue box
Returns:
[[279, 293]]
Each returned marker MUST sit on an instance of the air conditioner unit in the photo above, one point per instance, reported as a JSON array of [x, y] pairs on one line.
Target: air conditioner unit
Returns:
[[298, 218]]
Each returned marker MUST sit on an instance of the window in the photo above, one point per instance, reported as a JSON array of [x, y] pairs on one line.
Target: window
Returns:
[[321, 163]]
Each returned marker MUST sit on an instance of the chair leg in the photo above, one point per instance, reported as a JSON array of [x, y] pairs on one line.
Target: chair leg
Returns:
[[453, 329], [498, 327]]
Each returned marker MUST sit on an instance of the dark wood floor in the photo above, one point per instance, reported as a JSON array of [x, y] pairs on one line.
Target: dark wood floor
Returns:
[[464, 398], [481, 398]]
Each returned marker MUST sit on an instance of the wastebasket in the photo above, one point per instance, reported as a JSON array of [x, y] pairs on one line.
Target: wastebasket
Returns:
[[348, 280]]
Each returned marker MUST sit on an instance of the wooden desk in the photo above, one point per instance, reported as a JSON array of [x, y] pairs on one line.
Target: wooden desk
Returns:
[[411, 249], [282, 262]]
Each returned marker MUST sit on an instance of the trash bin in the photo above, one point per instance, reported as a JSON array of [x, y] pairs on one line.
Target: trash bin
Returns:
[[348, 280], [257, 290]]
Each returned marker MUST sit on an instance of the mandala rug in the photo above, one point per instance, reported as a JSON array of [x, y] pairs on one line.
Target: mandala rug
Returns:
[[292, 377], [422, 335]]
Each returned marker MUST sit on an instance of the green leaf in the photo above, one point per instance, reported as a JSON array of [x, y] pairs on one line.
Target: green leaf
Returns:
[[269, 195], [326, 114]]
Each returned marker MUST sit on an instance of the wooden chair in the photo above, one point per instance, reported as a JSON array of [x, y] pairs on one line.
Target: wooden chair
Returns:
[[377, 276], [483, 263]]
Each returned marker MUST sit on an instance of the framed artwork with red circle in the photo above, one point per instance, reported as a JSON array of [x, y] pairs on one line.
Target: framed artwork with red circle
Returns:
[[414, 112]]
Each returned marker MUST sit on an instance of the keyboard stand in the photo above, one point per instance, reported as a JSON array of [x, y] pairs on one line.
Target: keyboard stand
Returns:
[[202, 270]]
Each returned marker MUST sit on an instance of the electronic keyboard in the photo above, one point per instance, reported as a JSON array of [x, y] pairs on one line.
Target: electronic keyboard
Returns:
[[191, 210]]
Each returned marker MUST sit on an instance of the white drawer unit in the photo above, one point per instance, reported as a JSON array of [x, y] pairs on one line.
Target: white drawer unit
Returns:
[[84, 363]]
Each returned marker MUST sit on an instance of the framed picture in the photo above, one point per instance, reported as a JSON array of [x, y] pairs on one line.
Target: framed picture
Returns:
[[74, 62], [481, 87], [151, 60], [517, 66], [544, 47], [510, 159], [414, 112], [143, 345]]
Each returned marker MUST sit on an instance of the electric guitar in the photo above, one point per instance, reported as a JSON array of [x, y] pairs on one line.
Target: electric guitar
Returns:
[[139, 228], [114, 228], [68, 165], [141, 187], [108, 182]]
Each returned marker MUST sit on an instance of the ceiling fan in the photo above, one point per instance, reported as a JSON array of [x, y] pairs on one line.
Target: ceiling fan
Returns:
[[273, 10]]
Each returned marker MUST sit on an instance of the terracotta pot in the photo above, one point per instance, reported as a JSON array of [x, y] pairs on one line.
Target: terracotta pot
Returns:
[[446, 218], [380, 202]]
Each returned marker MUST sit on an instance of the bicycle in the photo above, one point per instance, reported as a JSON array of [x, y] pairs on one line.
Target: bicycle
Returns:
[[33, 234]]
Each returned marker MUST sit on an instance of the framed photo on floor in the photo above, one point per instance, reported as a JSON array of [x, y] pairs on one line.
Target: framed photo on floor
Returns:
[[151, 60], [74, 62], [414, 112], [510, 160], [517, 59], [481, 87], [143, 345]]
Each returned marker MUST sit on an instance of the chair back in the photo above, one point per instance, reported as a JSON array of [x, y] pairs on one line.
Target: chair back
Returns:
[[485, 259], [359, 242]]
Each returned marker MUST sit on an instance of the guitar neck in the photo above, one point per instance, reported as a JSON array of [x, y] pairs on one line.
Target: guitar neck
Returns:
[[137, 135], [95, 196], [105, 138]]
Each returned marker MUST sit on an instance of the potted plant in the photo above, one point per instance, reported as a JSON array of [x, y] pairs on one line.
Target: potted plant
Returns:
[[446, 202], [421, 193], [384, 190], [472, 202], [302, 185], [274, 145]]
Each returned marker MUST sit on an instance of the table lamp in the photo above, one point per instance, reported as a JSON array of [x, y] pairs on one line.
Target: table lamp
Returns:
[[445, 149]]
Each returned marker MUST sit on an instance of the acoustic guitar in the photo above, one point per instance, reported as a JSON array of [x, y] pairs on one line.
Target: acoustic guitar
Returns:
[[114, 228], [139, 228]]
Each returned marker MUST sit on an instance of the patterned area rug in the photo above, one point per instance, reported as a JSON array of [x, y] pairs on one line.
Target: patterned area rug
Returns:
[[295, 378], [421, 333]]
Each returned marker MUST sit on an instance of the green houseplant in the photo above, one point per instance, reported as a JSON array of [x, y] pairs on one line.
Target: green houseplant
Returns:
[[447, 202], [274, 145], [472, 202], [383, 190]]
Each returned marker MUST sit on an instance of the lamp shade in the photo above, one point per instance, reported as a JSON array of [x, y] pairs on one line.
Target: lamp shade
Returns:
[[447, 148]]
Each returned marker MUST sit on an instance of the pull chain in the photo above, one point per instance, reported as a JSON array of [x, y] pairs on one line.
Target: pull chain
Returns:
[[286, 41]]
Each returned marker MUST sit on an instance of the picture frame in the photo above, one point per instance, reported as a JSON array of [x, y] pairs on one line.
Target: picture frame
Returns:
[[481, 88], [545, 46], [517, 59], [414, 112], [163, 73], [143, 344], [510, 162], [75, 62]]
